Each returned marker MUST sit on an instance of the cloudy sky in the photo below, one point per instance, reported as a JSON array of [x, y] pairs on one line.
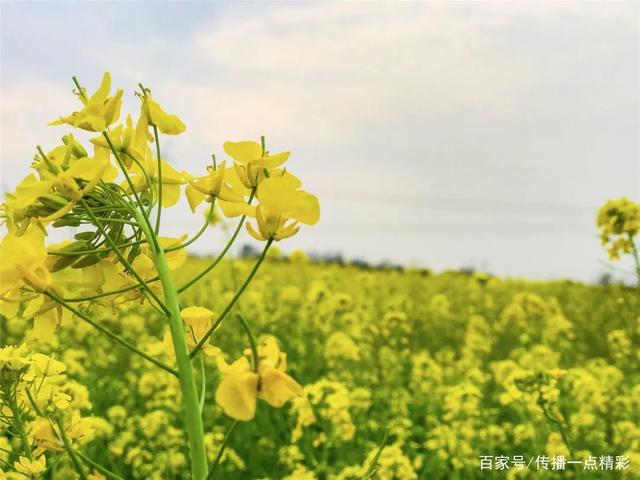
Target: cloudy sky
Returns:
[[440, 134]]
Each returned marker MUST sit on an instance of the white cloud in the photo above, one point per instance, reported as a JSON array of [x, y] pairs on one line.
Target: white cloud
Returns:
[[396, 105]]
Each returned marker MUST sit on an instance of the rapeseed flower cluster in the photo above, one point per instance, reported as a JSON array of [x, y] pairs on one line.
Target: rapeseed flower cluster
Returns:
[[112, 192]]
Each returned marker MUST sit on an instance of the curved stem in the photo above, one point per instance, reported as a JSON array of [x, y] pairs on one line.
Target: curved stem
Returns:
[[62, 434], [155, 134], [98, 467], [95, 250], [252, 343], [374, 465], [200, 232], [18, 423], [254, 367], [123, 260], [222, 254], [126, 175], [190, 401], [67, 445], [112, 292], [636, 257], [109, 333], [223, 447], [233, 301]]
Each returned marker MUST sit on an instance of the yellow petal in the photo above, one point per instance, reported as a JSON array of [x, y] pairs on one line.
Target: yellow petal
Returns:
[[276, 387], [170, 194], [194, 197], [243, 152], [167, 123], [235, 209], [237, 393], [103, 90]]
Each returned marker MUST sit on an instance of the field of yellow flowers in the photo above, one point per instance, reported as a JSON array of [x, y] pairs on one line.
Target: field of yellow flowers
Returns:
[[122, 358], [458, 366]]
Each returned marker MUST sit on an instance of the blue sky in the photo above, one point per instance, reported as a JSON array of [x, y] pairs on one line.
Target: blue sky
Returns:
[[439, 134]]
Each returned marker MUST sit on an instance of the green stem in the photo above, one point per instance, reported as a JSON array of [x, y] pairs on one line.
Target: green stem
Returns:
[[200, 232], [95, 250], [223, 447], [374, 465], [155, 134], [109, 333], [51, 166], [254, 367], [67, 445], [128, 178], [252, 343], [111, 292], [233, 301], [217, 260], [17, 420], [636, 257], [190, 402], [99, 467], [81, 91], [222, 254]]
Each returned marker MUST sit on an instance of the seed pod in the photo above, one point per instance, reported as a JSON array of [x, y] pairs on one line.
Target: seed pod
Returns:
[[53, 201], [67, 222], [84, 235], [88, 260]]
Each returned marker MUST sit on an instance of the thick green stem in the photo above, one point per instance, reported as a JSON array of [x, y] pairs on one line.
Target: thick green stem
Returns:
[[155, 134], [190, 402]]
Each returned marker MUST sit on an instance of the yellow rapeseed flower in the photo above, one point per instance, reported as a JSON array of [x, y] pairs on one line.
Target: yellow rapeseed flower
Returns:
[[240, 387], [31, 468], [167, 123], [213, 185], [23, 261], [252, 163], [282, 206], [100, 110]]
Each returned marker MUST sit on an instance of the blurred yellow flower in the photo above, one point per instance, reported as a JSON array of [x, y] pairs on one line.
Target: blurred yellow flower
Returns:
[[240, 387], [31, 468]]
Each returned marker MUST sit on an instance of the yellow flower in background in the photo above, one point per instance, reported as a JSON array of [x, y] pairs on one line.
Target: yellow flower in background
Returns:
[[14, 357], [619, 223], [44, 436], [100, 110], [252, 163], [282, 206], [23, 261], [240, 387], [31, 468]]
